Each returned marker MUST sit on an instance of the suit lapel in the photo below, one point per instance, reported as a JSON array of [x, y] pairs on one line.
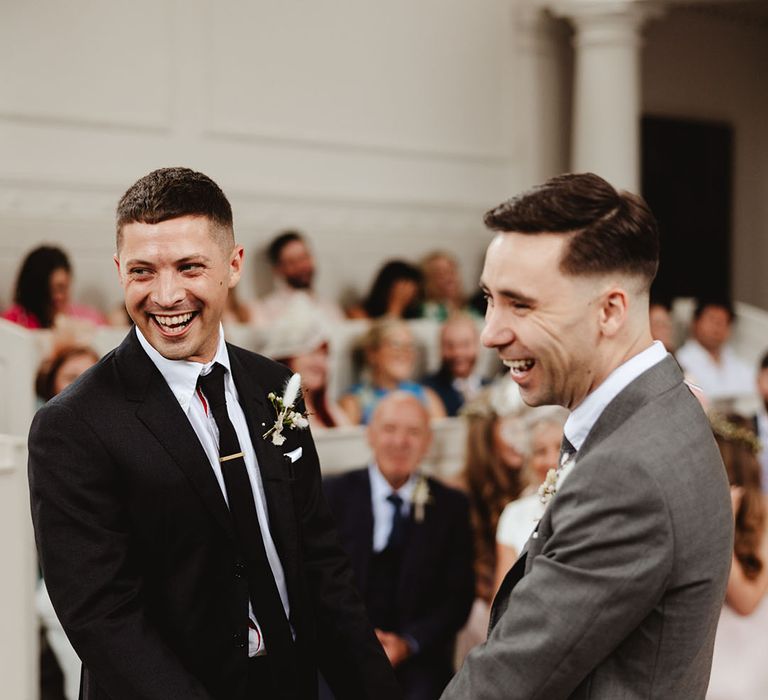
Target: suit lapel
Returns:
[[416, 543], [160, 412], [360, 524]]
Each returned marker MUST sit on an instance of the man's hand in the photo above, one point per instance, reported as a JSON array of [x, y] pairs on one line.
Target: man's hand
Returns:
[[395, 646]]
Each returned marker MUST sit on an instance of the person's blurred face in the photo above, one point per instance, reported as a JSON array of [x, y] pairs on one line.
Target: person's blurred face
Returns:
[[662, 327], [59, 285], [543, 323], [296, 265], [176, 277], [508, 441], [713, 328], [313, 367], [444, 279], [458, 347], [545, 448], [395, 358], [399, 436], [70, 370]]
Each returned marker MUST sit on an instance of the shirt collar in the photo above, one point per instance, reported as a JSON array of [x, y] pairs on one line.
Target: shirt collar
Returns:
[[585, 415], [380, 487], [182, 375]]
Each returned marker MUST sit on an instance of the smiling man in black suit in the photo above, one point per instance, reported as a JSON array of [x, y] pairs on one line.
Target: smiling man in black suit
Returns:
[[187, 555]]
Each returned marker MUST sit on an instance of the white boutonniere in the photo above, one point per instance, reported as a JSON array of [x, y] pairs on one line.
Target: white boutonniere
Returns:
[[286, 416], [548, 487], [420, 498]]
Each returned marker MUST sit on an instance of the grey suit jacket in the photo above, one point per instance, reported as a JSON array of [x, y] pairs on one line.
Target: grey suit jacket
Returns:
[[618, 593]]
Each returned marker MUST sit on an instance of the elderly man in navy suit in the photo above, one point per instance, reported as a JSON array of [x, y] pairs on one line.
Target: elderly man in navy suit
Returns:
[[410, 543]]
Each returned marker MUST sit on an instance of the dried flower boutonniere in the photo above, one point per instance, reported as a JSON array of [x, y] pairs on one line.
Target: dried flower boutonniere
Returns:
[[420, 498], [286, 415], [548, 487]]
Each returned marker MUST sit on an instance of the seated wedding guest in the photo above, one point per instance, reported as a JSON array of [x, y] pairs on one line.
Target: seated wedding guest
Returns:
[[42, 296], [390, 356], [65, 364], [662, 326], [545, 431], [300, 341], [739, 671], [708, 359], [409, 540], [496, 449], [760, 419], [59, 664], [457, 381], [293, 267], [443, 291], [395, 293]]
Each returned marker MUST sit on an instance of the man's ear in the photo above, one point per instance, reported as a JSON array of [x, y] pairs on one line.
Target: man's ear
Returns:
[[235, 265], [119, 272], [614, 310]]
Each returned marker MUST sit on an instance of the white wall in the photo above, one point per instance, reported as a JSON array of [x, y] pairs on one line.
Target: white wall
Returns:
[[702, 65], [380, 129]]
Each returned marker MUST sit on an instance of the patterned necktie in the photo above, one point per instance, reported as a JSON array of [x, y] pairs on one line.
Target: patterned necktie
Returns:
[[264, 595], [395, 540]]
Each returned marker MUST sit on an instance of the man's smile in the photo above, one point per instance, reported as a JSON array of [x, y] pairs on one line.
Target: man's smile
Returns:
[[173, 324]]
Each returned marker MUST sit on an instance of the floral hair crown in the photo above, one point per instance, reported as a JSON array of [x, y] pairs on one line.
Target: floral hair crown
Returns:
[[733, 432]]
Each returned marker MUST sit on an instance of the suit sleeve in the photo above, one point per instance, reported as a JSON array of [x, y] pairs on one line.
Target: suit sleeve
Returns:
[[350, 656], [84, 543], [598, 574], [452, 602]]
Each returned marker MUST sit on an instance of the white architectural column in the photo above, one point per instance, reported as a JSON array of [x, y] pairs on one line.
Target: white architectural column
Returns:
[[606, 100]]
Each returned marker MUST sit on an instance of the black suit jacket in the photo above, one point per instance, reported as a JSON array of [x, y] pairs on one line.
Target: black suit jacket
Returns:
[[436, 586], [138, 549]]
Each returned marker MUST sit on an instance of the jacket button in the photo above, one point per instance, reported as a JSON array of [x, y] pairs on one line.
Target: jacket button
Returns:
[[239, 570], [237, 640]]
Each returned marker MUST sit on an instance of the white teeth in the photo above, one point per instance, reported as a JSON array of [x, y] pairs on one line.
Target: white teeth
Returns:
[[519, 365], [170, 321]]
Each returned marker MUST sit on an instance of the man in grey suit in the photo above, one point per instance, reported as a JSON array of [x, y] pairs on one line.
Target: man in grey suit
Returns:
[[618, 591]]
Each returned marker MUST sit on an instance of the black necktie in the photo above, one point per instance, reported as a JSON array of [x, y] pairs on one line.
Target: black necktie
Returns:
[[567, 452], [265, 598], [398, 522]]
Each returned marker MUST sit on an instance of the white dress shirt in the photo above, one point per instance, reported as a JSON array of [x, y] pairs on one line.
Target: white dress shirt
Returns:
[[182, 376], [383, 510], [585, 415]]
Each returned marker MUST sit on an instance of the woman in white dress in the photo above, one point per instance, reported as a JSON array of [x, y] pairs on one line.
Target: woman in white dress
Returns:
[[520, 517], [739, 668]]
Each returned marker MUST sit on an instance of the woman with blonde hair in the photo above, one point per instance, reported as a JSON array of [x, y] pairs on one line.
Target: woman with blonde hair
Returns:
[[390, 354]]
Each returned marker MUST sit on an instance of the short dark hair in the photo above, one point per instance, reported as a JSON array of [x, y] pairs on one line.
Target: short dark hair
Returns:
[[764, 361], [33, 284], [615, 231], [720, 302], [275, 248], [169, 193]]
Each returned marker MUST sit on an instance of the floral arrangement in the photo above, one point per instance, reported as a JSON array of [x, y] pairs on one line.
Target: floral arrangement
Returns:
[[286, 416]]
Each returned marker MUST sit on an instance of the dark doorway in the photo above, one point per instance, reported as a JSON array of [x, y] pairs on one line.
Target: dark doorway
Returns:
[[686, 181]]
